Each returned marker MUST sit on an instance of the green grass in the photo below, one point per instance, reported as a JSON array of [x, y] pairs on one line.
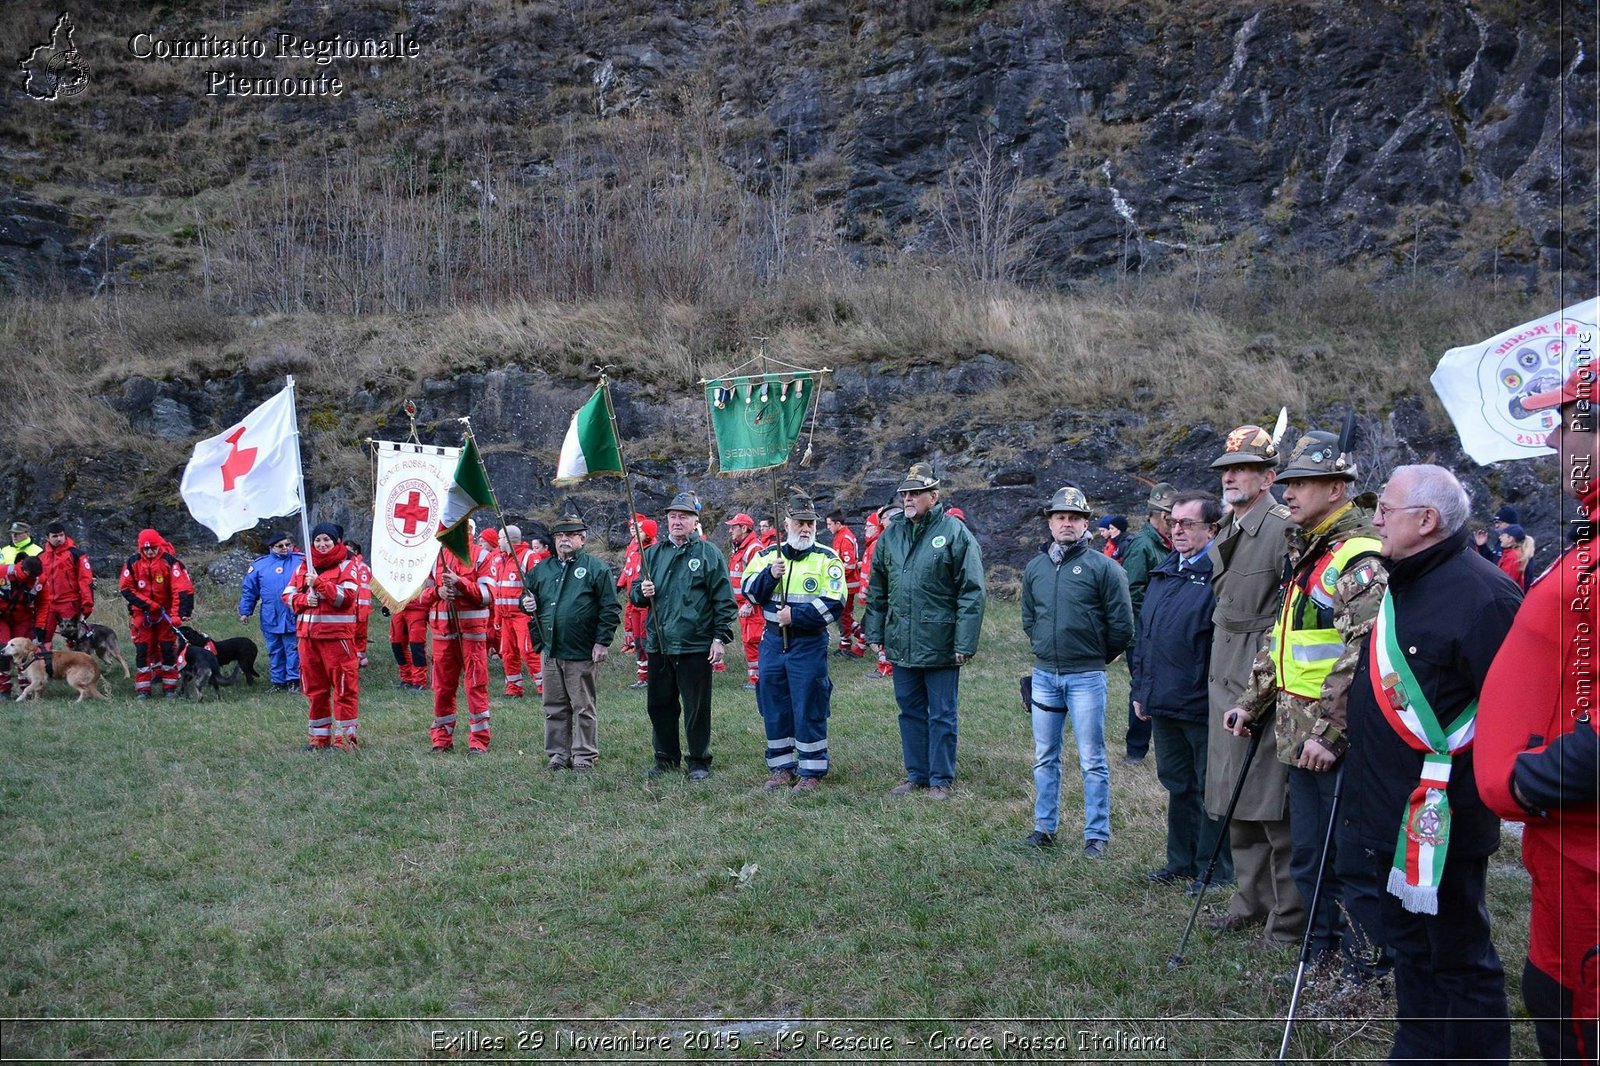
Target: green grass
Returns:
[[172, 860]]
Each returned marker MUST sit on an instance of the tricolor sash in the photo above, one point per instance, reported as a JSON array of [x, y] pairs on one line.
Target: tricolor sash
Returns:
[[1419, 852]]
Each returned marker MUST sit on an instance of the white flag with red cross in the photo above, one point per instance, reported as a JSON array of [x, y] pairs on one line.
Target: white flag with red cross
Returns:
[[248, 472], [409, 495]]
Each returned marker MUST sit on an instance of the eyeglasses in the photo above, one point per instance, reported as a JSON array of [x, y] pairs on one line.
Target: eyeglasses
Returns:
[[1385, 510], [1189, 523]]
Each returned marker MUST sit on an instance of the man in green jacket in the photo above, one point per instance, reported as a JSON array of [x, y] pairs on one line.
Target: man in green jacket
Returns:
[[925, 600], [1144, 552], [573, 600], [685, 585], [1076, 614]]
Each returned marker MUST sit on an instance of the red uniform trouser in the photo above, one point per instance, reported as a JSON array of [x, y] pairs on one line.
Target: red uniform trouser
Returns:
[[16, 624], [332, 684], [634, 620], [516, 648], [751, 627], [56, 616], [155, 652], [408, 638], [461, 659], [848, 632], [362, 615]]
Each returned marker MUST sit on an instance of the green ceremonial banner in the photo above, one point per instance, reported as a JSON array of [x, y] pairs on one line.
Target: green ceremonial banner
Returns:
[[756, 419], [467, 492]]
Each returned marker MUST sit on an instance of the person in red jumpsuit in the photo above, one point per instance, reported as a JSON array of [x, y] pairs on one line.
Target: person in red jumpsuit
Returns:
[[517, 557], [634, 618], [71, 581], [460, 597], [160, 597], [744, 545], [363, 600], [24, 607], [1536, 749], [408, 639], [848, 550], [489, 540], [873, 529], [324, 595]]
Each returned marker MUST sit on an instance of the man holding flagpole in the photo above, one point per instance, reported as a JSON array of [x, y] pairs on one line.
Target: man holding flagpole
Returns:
[[459, 594]]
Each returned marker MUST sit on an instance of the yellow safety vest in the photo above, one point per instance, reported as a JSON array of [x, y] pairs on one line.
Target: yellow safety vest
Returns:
[[1306, 645]]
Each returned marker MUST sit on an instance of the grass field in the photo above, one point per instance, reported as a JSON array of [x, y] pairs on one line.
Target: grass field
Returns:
[[187, 872]]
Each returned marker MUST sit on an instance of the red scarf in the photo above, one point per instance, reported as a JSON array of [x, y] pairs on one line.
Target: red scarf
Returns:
[[330, 559]]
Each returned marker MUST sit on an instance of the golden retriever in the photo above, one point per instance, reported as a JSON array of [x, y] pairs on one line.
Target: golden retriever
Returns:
[[80, 671]]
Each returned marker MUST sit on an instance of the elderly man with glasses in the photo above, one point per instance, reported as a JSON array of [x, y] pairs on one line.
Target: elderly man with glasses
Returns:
[[264, 583]]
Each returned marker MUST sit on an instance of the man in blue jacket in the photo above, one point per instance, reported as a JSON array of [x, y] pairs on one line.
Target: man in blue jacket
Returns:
[[1169, 665], [1077, 615], [925, 600], [264, 583]]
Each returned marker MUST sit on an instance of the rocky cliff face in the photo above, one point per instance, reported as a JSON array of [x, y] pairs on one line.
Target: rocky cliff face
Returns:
[[1115, 136]]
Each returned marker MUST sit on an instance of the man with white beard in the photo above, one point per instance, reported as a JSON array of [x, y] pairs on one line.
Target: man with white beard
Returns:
[[799, 588]]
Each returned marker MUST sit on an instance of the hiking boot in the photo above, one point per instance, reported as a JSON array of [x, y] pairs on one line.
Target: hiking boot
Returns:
[[780, 779], [477, 751], [1094, 849], [699, 773], [441, 749], [556, 763], [905, 787], [1197, 886], [939, 793], [807, 784], [657, 771], [640, 684], [1165, 876], [1039, 839]]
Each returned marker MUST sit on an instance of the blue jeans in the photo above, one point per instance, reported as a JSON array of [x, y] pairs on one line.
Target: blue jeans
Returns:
[[1083, 696], [927, 699]]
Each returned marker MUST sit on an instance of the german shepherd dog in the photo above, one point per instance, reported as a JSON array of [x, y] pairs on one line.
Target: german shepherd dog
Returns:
[[198, 666], [97, 640]]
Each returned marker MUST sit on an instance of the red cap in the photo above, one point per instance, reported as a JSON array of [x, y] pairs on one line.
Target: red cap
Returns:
[[1580, 385], [491, 536], [741, 519]]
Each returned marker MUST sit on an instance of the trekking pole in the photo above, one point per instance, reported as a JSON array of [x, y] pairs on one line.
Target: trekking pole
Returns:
[[1176, 958], [1311, 913]]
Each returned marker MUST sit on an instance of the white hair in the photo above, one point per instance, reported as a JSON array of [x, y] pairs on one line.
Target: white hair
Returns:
[[1436, 487]]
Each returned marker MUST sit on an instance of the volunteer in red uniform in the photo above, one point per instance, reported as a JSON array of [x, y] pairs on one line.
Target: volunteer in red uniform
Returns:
[[744, 545], [849, 552], [516, 646], [460, 597], [1536, 748], [873, 529], [324, 595], [160, 596], [70, 579], [363, 600], [634, 618], [489, 540], [24, 607], [408, 639]]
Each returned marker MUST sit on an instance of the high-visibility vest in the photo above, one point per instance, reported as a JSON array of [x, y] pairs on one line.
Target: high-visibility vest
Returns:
[[1306, 645]]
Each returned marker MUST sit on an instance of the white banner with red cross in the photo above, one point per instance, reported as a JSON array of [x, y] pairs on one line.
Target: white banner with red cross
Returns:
[[412, 483]]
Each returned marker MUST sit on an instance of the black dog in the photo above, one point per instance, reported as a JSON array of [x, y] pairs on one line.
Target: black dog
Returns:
[[199, 666], [240, 650]]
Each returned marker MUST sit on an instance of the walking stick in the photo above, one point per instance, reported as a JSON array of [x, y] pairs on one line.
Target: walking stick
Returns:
[[1311, 913], [1176, 958]]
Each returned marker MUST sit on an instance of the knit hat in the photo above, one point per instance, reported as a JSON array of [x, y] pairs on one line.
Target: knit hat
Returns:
[[1507, 515], [278, 536], [1515, 532], [491, 537], [1116, 520], [332, 529]]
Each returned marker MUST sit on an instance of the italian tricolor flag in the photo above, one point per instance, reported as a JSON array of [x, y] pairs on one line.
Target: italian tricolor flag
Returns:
[[467, 492], [591, 446]]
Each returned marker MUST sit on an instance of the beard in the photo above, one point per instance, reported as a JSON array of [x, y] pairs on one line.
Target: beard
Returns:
[[801, 541]]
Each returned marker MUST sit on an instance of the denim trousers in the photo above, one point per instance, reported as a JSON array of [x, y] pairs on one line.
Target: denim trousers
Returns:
[[1083, 697], [927, 700]]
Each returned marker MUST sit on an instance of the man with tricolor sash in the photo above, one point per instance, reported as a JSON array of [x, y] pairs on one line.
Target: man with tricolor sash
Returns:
[[1301, 678], [1411, 809]]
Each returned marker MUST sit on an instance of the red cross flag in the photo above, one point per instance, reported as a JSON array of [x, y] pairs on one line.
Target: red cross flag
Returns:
[[410, 491], [248, 472]]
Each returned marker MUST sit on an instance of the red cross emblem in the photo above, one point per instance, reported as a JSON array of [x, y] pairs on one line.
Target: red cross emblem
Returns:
[[411, 514], [239, 460], [413, 509]]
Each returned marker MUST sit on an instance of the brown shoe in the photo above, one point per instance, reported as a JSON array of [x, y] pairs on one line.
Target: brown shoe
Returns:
[[556, 763], [806, 784], [1232, 923], [904, 787], [939, 792], [780, 779]]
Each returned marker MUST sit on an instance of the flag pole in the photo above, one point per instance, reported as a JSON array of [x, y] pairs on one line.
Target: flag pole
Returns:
[[494, 501], [300, 473], [779, 525], [627, 482]]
